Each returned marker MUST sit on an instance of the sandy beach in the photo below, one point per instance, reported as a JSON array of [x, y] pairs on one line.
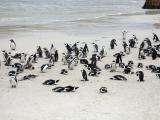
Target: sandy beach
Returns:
[[127, 100], [59, 22]]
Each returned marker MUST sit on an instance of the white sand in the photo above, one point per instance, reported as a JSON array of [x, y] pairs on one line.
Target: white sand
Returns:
[[125, 100]]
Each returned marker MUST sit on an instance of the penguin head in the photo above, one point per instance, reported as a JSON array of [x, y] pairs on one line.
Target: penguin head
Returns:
[[75, 88], [56, 81]]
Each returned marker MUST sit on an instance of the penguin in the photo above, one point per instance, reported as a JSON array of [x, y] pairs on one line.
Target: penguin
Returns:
[[28, 77], [155, 38], [35, 58], [9, 60], [113, 43], [140, 65], [58, 89], [17, 56], [23, 58], [13, 81], [95, 47], [52, 60], [118, 77], [94, 72], [151, 67], [12, 73], [47, 53], [39, 52], [84, 75], [158, 75], [130, 64], [127, 70], [158, 70], [70, 88], [30, 59], [119, 58], [124, 33], [71, 65], [128, 50], [64, 60], [103, 52], [140, 74], [154, 54], [113, 66], [19, 67], [44, 67], [5, 55], [84, 61], [12, 44], [107, 66], [56, 55], [103, 90], [52, 49], [50, 82], [64, 72]]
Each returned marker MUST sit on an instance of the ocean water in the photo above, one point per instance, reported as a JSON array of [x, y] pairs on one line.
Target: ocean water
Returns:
[[73, 15]]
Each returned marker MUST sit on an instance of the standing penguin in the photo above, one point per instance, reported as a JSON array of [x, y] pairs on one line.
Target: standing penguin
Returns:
[[113, 43], [13, 81], [71, 65], [39, 52], [154, 54], [56, 56], [12, 45], [23, 58], [52, 49], [113, 66], [124, 45], [84, 75], [95, 47], [85, 50], [47, 53], [155, 38], [9, 60], [5, 55], [119, 58], [124, 33], [140, 74], [52, 60]]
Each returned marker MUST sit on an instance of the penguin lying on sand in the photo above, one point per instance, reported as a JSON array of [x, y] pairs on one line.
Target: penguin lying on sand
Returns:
[[50, 82], [64, 72], [28, 77], [44, 67], [118, 77], [139, 65], [65, 89], [103, 90]]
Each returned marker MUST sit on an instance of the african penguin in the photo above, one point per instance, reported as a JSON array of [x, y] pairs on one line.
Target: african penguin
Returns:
[[13, 81], [140, 74], [103, 90], [45, 67], [84, 75], [12, 44], [118, 77], [50, 82]]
